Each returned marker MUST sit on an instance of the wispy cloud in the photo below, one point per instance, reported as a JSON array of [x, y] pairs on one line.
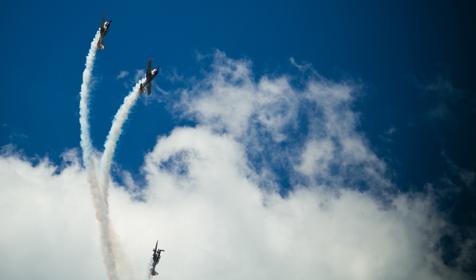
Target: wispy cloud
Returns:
[[303, 67], [456, 190], [122, 75], [388, 134], [444, 98], [263, 113], [140, 73], [174, 76]]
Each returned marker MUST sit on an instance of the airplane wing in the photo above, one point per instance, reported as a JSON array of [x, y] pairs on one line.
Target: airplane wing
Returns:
[[149, 69], [149, 88], [102, 25]]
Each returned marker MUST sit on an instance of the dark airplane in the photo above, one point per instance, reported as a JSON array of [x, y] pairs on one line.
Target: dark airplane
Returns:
[[105, 24], [149, 76], [155, 259]]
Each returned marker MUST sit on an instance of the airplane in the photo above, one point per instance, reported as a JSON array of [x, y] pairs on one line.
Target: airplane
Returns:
[[155, 259], [105, 24], [149, 76]]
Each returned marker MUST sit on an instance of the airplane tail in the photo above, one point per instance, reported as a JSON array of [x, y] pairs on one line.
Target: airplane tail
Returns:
[[100, 45]]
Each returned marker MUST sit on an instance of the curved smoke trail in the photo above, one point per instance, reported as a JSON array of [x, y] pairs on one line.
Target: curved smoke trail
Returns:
[[102, 212], [84, 100], [113, 136]]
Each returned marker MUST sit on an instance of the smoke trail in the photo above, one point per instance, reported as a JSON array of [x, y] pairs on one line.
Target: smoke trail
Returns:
[[117, 261], [84, 100], [108, 237], [102, 212], [114, 133]]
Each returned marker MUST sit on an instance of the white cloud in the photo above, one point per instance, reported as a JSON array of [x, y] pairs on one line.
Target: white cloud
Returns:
[[214, 222], [316, 157], [203, 197], [47, 223]]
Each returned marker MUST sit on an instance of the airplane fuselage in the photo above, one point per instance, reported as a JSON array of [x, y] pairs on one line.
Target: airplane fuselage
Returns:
[[156, 252], [104, 29], [153, 74], [149, 79]]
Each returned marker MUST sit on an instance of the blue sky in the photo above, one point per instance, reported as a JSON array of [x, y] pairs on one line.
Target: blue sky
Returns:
[[411, 63], [394, 50]]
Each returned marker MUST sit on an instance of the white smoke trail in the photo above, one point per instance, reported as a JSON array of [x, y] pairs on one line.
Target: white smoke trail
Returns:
[[113, 136], [102, 212], [118, 260], [109, 242], [84, 101]]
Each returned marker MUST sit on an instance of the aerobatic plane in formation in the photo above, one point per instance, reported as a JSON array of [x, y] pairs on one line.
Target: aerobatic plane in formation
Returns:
[[105, 25], [149, 76], [155, 259]]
